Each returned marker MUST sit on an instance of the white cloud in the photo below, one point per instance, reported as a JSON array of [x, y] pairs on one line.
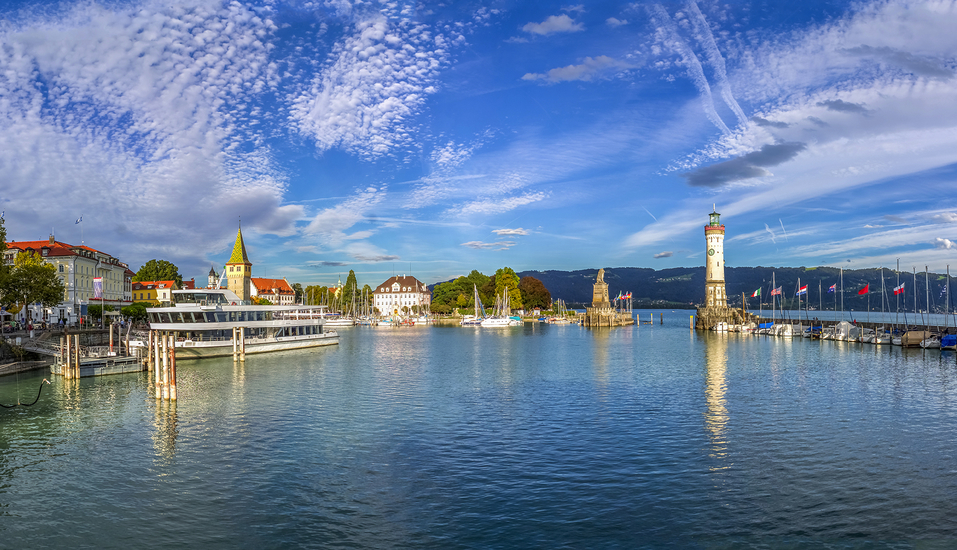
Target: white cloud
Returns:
[[380, 77], [331, 224], [665, 254], [479, 245], [553, 24], [119, 115], [590, 68], [506, 232], [946, 244], [497, 205], [944, 217]]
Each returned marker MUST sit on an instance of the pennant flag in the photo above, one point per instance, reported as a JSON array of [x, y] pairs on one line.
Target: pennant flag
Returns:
[[98, 287], [899, 289], [78, 220], [802, 290], [864, 290], [776, 292], [833, 288], [756, 293]]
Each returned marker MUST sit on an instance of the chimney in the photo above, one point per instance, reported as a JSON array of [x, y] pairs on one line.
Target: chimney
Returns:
[[51, 238]]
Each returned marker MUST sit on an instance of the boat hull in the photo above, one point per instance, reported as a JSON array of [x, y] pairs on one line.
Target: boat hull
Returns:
[[190, 349]]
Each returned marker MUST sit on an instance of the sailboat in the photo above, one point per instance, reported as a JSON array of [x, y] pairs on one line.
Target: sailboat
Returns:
[[476, 319], [503, 317]]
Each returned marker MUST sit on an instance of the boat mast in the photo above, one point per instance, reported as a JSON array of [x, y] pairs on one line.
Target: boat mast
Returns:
[[915, 293], [842, 294], [883, 297], [773, 311]]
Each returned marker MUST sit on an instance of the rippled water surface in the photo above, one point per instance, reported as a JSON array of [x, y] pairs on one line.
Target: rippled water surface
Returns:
[[541, 436]]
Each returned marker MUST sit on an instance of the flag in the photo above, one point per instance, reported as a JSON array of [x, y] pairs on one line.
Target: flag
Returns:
[[864, 290], [802, 290], [756, 293], [832, 288], [628, 296], [98, 287], [78, 220], [776, 292], [899, 289]]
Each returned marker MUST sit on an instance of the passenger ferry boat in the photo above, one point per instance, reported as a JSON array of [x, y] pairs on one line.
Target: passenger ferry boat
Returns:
[[204, 320]]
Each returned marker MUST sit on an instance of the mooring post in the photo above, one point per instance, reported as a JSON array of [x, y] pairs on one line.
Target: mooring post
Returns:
[[76, 357], [691, 322], [111, 337], [165, 382], [235, 346], [172, 368], [66, 367], [242, 344], [661, 318], [157, 361]]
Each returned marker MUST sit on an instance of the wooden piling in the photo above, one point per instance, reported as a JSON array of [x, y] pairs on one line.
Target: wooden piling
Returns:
[[242, 344], [157, 371], [111, 337], [67, 368], [661, 318], [235, 346], [165, 383], [172, 368], [76, 356]]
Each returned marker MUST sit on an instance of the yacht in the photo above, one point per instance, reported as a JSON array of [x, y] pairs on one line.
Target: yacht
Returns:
[[204, 321]]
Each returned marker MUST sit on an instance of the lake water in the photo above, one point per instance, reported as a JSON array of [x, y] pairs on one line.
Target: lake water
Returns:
[[533, 437]]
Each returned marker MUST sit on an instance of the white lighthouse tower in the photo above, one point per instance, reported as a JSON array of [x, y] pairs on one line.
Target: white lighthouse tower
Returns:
[[715, 295]]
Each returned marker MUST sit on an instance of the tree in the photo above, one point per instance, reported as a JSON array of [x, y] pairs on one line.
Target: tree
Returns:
[[345, 297], [534, 293], [95, 311], [136, 311], [299, 292], [257, 301], [32, 281], [506, 279], [159, 270]]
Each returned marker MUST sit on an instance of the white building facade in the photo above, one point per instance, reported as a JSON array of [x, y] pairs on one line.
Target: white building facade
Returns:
[[77, 267], [401, 295]]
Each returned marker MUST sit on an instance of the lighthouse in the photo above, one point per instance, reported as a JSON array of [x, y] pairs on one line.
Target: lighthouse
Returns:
[[715, 295]]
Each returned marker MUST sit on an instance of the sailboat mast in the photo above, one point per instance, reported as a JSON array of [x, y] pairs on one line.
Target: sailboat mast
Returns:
[[773, 310], [915, 293], [897, 314], [842, 294]]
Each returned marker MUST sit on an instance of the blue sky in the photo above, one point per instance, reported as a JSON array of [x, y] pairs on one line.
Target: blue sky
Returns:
[[444, 137]]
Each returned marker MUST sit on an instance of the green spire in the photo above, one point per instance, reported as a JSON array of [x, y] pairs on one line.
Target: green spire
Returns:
[[239, 251]]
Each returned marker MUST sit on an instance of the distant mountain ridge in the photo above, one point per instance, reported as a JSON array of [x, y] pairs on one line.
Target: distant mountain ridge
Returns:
[[685, 286]]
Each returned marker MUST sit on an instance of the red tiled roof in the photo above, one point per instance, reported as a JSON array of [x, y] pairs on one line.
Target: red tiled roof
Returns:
[[148, 285], [267, 286]]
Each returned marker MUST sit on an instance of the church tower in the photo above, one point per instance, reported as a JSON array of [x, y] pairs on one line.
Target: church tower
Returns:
[[715, 295], [212, 281], [239, 269]]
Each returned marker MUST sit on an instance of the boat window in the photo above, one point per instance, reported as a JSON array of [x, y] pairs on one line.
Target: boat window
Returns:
[[267, 315], [154, 317], [221, 316], [164, 317], [177, 317]]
